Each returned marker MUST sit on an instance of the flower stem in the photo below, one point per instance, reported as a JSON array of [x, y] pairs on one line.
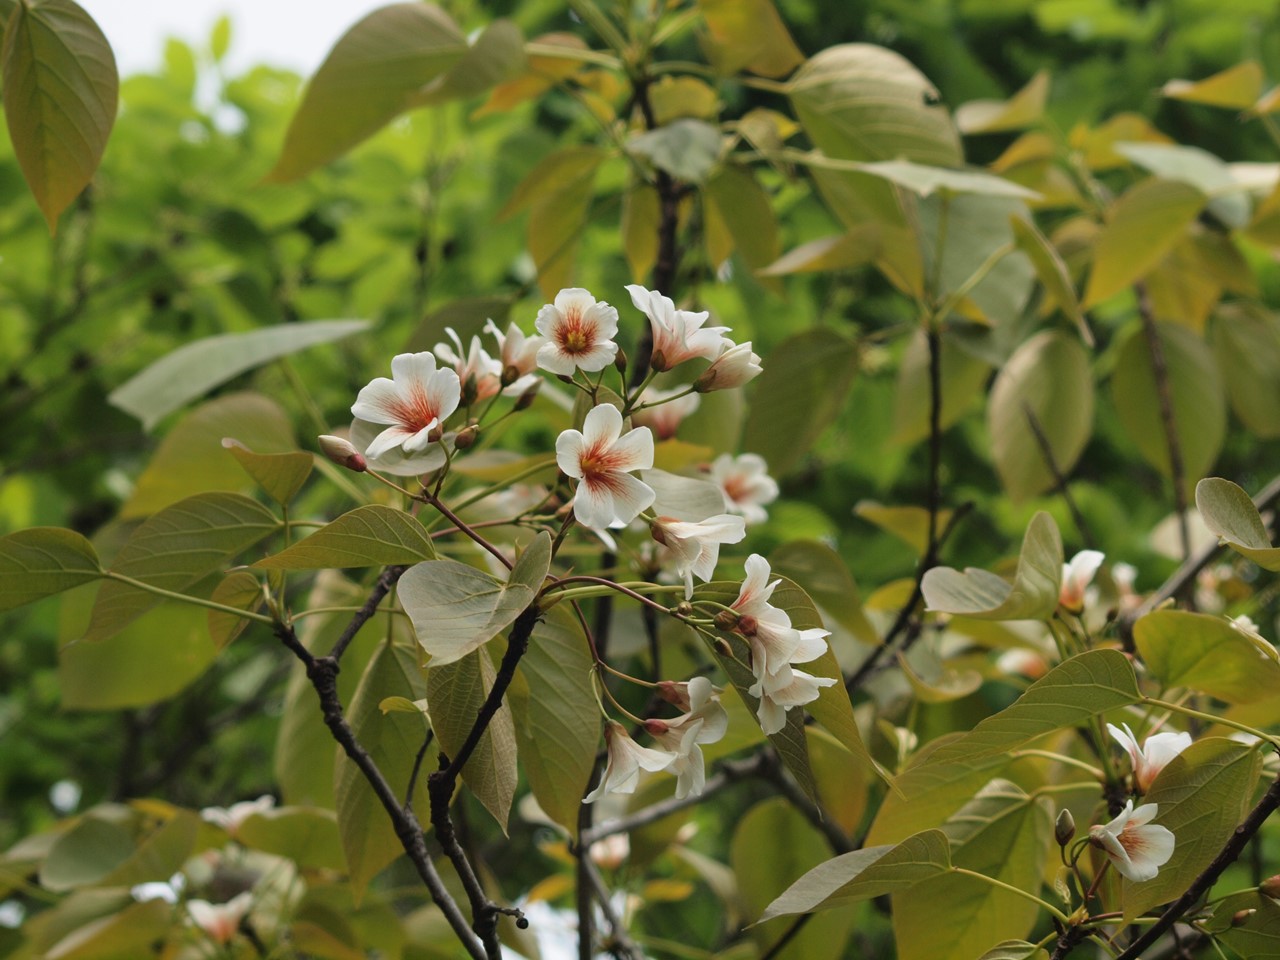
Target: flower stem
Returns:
[[184, 598], [1210, 718], [1062, 917]]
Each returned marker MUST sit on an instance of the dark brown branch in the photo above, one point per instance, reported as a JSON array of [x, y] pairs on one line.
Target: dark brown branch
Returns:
[[386, 580], [1059, 478], [323, 674], [1160, 371], [791, 933], [620, 943]]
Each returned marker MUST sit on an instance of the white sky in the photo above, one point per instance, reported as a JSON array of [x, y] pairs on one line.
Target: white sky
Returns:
[[284, 33]]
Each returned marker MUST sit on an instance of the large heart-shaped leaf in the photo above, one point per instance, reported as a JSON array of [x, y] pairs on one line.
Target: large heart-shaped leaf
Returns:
[[368, 536], [42, 561], [456, 609], [1207, 654], [59, 88], [1033, 595], [281, 475], [1230, 513]]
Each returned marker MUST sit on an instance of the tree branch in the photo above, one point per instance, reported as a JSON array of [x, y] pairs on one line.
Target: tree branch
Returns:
[[386, 580], [1059, 478]]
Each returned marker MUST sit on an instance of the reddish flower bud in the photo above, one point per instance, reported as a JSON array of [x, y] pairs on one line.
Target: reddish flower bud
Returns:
[[727, 620], [676, 694], [1271, 887], [1065, 829], [466, 437], [656, 727], [525, 400], [748, 626], [1241, 917], [342, 453]]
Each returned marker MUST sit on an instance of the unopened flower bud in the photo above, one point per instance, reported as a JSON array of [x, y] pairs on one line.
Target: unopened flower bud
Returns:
[[466, 437], [684, 609], [655, 727], [564, 378], [470, 391], [748, 625], [1065, 829], [525, 400], [510, 374], [1241, 917], [1271, 887], [722, 647], [727, 620], [342, 453], [620, 360], [436, 434]]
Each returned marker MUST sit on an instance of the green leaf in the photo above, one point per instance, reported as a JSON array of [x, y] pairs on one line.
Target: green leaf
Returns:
[[368, 536], [372, 75], [908, 524], [559, 192], [864, 875], [85, 854], [196, 368], [801, 392], [747, 211], [220, 38], [456, 609], [1052, 273], [496, 56], [132, 932], [281, 475], [821, 573], [1015, 950], [946, 686], [1230, 513], [964, 378], [42, 561], [59, 87], [748, 35], [1206, 654], [1003, 833], [393, 740], [1246, 344], [1199, 168], [1142, 226], [1072, 693], [239, 589], [926, 180], [191, 460], [557, 721], [306, 835], [840, 251], [772, 843], [1236, 88], [687, 149], [175, 548], [1199, 407], [1047, 378], [456, 691], [160, 854], [1033, 595], [1259, 936], [1021, 110], [1203, 793]]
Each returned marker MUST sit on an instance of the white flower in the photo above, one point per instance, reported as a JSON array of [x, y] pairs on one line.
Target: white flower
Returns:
[[678, 335], [518, 355], [1023, 662], [705, 722], [665, 419], [738, 364], [789, 688], [602, 460], [479, 374], [611, 852], [1246, 626], [578, 332], [413, 407], [1153, 756], [1077, 575], [220, 920], [1137, 847], [625, 761], [746, 485], [696, 546], [231, 818]]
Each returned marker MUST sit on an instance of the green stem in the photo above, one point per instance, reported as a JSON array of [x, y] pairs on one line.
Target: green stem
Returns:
[[539, 467], [1062, 917], [184, 598], [309, 405], [975, 278], [1060, 758], [554, 51], [1210, 718]]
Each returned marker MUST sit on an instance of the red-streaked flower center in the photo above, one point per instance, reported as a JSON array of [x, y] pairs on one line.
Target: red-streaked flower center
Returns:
[[737, 487], [600, 466], [575, 334], [414, 410], [1131, 838]]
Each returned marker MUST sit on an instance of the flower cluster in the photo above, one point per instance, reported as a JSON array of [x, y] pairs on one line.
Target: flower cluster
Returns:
[[775, 646]]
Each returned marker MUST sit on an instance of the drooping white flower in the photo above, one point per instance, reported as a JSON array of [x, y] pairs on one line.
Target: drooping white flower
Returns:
[[1076, 576], [1153, 756], [787, 688], [231, 818], [602, 460], [578, 332], [665, 418], [696, 546], [746, 485], [705, 722], [678, 335], [518, 355], [626, 759], [1134, 845], [412, 407], [737, 365], [479, 374], [220, 921], [1245, 625]]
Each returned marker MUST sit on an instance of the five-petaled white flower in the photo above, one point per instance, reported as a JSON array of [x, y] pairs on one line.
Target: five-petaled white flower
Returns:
[[578, 333], [220, 921], [781, 691], [626, 759], [678, 335], [696, 546], [412, 407], [479, 374], [746, 485], [1137, 847], [671, 407], [1076, 576], [602, 460], [705, 722], [736, 365], [231, 818], [1153, 756], [518, 355]]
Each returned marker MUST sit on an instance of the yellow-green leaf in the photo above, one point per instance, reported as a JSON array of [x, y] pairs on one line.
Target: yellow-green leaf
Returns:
[[997, 116], [1236, 88], [747, 212], [963, 378], [308, 836], [908, 524], [1246, 344], [748, 35], [496, 56], [1051, 272], [371, 76], [42, 561], [1206, 654], [840, 251], [59, 90], [368, 536], [281, 475], [239, 589], [1229, 512]]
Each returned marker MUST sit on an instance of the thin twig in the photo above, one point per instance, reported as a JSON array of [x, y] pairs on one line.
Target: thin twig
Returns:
[[1164, 394], [1059, 479], [792, 931], [621, 945], [386, 580]]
